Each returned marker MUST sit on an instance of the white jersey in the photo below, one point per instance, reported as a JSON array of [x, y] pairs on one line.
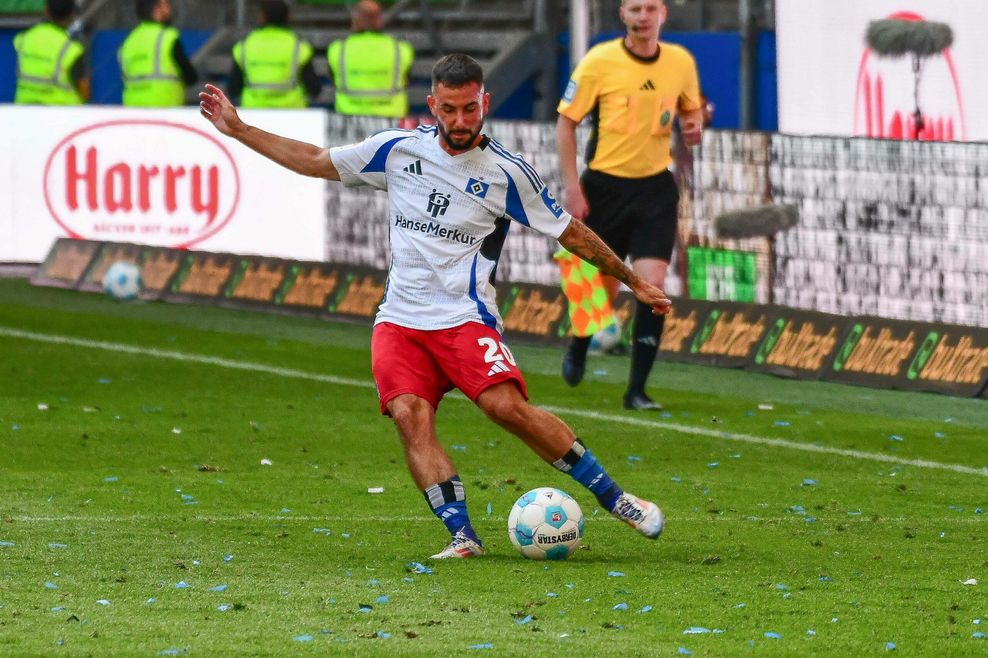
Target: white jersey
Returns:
[[449, 216]]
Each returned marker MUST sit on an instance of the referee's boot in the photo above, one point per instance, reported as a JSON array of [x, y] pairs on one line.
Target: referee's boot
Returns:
[[573, 368], [638, 401]]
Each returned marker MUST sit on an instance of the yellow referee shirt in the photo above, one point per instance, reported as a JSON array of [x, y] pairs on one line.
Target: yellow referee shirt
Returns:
[[634, 102]]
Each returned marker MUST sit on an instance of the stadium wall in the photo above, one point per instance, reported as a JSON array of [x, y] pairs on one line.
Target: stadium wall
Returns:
[[888, 228]]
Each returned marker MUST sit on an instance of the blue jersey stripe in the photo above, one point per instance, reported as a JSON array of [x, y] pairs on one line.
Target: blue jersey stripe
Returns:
[[514, 157], [529, 170], [513, 206], [485, 314], [380, 159]]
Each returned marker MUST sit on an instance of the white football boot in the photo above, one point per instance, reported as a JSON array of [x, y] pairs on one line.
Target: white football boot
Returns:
[[641, 514], [461, 547]]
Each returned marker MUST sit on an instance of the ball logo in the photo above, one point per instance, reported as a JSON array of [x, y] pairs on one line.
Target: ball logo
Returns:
[[556, 517], [142, 180], [884, 102]]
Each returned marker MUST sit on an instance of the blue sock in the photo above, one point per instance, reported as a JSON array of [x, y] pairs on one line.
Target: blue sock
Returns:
[[448, 501], [583, 467]]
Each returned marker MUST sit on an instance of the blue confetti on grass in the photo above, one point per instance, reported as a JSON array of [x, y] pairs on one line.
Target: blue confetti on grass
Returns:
[[485, 645], [218, 588], [151, 600], [978, 635], [303, 638], [552, 595], [458, 447], [665, 414], [939, 435], [104, 380], [616, 574], [384, 635], [489, 509], [634, 458], [323, 531], [890, 646], [228, 558], [524, 620], [7, 544], [772, 635], [782, 423], [782, 587], [383, 599], [684, 651], [181, 585], [676, 479], [809, 482], [171, 652], [713, 464], [697, 630], [826, 579], [58, 608], [111, 478], [896, 437], [223, 607], [103, 601], [55, 544], [646, 608], [365, 607], [620, 606], [50, 585], [811, 633], [408, 579]]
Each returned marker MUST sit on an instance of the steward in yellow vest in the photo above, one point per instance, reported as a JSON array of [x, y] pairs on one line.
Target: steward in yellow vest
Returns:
[[153, 63], [272, 67], [370, 68], [50, 66]]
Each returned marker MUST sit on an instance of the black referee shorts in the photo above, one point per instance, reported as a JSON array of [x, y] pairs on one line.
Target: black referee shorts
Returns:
[[636, 217]]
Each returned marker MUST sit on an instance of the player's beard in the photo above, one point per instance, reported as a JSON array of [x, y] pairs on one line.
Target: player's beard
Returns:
[[459, 144]]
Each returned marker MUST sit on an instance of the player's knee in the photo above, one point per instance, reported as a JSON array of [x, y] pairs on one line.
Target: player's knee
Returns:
[[405, 412], [505, 410]]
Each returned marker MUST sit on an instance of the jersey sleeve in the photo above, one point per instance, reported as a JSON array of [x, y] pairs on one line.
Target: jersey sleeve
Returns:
[[689, 97], [581, 92], [365, 163], [530, 202]]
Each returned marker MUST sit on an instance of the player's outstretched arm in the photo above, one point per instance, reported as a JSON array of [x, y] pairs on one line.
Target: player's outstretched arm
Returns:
[[300, 157], [580, 240]]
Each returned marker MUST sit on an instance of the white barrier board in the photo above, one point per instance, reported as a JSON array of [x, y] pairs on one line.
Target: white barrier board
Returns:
[[157, 177]]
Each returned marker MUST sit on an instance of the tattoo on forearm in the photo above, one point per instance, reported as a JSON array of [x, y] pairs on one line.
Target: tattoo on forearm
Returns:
[[587, 245]]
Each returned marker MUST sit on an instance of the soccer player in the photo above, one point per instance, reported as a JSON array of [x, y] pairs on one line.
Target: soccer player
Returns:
[[634, 86], [452, 194]]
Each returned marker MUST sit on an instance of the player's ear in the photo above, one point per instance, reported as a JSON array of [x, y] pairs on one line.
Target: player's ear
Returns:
[[430, 100], [487, 103]]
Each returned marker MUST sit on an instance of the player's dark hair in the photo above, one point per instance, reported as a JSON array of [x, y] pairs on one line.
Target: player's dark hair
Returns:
[[275, 12], [144, 9], [456, 70], [59, 10]]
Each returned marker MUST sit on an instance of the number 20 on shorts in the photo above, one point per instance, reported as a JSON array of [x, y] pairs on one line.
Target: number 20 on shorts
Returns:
[[496, 351]]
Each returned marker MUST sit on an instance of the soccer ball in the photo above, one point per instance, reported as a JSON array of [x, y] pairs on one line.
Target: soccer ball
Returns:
[[607, 338], [122, 280], [546, 524]]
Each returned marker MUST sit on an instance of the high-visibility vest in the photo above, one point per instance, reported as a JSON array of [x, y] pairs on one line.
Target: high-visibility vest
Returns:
[[271, 58], [45, 56], [151, 78], [369, 71]]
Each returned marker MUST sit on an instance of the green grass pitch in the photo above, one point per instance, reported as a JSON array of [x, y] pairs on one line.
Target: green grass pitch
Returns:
[[137, 517]]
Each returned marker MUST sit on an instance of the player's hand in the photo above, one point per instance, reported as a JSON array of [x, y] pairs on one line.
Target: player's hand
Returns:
[[575, 203], [215, 106], [653, 296]]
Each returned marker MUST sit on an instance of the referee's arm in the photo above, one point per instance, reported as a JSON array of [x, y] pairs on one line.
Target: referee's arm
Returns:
[[573, 199]]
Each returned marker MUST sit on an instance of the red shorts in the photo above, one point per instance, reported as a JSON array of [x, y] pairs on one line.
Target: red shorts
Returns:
[[429, 363]]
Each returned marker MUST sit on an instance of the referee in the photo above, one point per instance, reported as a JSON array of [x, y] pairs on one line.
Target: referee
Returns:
[[634, 87]]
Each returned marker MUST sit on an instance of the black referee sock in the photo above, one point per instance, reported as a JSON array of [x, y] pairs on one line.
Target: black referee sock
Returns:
[[578, 347], [645, 345]]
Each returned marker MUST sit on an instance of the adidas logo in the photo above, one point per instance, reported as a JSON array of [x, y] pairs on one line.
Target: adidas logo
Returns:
[[648, 86], [414, 168], [498, 367]]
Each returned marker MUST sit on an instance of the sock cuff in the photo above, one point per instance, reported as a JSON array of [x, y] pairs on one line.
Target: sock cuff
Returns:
[[572, 457], [443, 493]]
